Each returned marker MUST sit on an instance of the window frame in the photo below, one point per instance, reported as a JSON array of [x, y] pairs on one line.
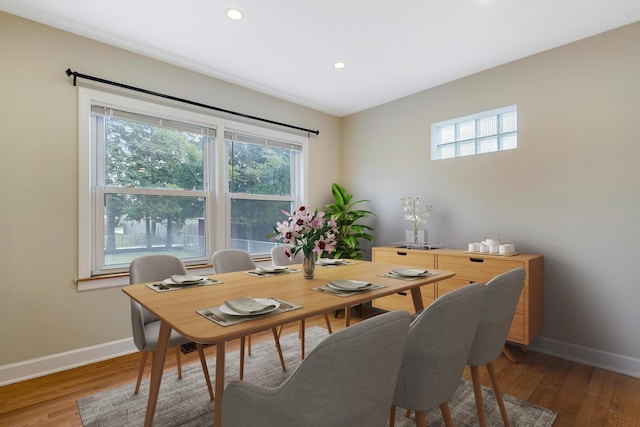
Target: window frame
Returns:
[[436, 133], [217, 208]]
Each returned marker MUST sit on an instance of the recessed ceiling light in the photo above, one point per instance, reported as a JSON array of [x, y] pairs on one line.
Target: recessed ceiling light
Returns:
[[234, 14], [339, 65]]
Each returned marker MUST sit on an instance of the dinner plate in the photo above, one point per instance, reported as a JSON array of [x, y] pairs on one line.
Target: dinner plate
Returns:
[[409, 272], [194, 280], [330, 261], [272, 269], [266, 301], [349, 285]]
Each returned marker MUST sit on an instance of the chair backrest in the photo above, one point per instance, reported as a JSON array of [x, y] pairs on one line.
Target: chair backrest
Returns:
[[149, 268], [347, 380], [503, 293], [278, 256], [438, 346], [229, 260]]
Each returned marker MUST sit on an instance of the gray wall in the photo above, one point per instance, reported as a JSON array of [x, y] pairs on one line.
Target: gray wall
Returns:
[[41, 311], [570, 191]]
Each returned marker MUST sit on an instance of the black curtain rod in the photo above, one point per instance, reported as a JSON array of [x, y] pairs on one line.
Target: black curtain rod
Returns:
[[186, 101]]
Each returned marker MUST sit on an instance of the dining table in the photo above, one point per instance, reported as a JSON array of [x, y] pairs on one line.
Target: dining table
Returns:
[[182, 309]]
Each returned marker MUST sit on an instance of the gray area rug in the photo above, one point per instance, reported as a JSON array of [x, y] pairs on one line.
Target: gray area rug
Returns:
[[186, 402]]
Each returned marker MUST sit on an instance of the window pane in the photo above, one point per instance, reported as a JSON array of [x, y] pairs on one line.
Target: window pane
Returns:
[[488, 145], [145, 156], [447, 151], [509, 122], [488, 126], [467, 148], [253, 220], [136, 225], [448, 134], [258, 169], [467, 130], [510, 142]]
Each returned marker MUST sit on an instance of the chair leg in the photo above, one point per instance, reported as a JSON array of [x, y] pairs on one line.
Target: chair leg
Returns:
[[347, 317], [302, 338], [249, 344], [392, 416], [477, 391], [498, 393], [205, 369], [326, 319], [179, 362], [275, 337], [242, 345], [446, 414], [143, 362], [421, 419]]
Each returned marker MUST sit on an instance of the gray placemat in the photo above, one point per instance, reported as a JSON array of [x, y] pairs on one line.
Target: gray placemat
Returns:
[[341, 293], [163, 287]]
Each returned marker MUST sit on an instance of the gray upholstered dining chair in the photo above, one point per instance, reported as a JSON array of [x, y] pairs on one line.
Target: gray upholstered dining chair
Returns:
[[145, 325], [230, 260], [279, 258], [503, 292], [437, 349], [347, 380]]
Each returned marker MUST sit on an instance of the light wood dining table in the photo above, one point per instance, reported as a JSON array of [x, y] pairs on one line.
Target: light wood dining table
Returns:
[[177, 309]]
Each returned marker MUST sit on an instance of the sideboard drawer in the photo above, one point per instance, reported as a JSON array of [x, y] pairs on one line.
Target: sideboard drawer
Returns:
[[476, 269], [408, 257]]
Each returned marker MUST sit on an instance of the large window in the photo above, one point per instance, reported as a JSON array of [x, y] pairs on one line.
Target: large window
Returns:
[[158, 179], [485, 132]]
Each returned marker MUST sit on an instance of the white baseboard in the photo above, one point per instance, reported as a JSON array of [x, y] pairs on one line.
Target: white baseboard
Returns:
[[588, 356], [41, 366]]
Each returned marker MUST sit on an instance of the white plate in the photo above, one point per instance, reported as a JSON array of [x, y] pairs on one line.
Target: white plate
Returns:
[[363, 286], [330, 261], [196, 280], [272, 269], [266, 301], [409, 272]]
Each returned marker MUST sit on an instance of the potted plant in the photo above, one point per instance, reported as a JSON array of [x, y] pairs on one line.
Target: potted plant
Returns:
[[348, 232]]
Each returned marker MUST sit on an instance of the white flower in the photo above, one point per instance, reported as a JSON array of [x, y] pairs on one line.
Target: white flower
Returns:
[[417, 212]]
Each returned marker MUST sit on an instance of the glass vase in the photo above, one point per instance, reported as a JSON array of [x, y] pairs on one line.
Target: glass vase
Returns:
[[309, 266], [416, 237]]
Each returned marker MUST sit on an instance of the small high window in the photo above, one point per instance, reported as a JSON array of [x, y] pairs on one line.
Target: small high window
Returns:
[[485, 132]]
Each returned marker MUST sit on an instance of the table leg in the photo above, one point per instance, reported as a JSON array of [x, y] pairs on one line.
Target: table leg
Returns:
[[418, 305], [157, 369], [217, 409]]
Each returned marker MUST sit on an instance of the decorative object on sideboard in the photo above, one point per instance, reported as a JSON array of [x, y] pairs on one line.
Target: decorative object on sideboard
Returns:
[[418, 213], [492, 246]]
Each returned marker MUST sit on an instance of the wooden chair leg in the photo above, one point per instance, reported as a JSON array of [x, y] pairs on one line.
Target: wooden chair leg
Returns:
[[407, 413], [143, 362], [275, 337], [326, 319], [179, 362], [392, 416], [249, 344], [477, 391], [302, 339], [347, 317], [498, 392], [242, 345], [446, 414], [421, 419], [205, 369]]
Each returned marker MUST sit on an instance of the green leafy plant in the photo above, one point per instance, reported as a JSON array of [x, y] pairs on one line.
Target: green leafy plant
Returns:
[[346, 216]]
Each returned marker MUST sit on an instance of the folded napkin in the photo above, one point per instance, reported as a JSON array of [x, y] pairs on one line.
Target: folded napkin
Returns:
[[350, 285], [248, 306], [186, 279]]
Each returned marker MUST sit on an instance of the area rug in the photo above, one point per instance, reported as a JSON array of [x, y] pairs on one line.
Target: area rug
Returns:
[[186, 402]]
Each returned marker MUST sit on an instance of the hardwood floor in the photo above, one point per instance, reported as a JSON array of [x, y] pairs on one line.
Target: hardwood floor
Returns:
[[582, 395]]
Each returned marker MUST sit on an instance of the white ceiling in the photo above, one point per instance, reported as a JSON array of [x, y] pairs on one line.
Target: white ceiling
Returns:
[[286, 48]]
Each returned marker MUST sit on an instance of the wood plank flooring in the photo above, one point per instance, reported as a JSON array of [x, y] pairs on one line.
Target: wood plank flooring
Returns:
[[582, 395]]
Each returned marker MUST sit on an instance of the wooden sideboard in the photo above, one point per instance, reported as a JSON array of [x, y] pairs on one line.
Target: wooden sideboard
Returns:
[[469, 268]]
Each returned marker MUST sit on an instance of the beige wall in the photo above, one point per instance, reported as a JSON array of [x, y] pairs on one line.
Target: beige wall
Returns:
[[570, 191], [41, 312]]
